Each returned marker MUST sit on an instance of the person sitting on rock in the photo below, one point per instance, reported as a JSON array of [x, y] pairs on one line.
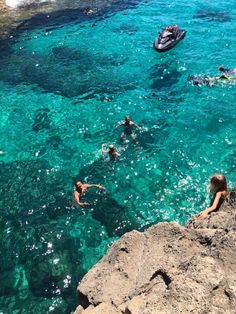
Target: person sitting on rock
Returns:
[[218, 186], [81, 188]]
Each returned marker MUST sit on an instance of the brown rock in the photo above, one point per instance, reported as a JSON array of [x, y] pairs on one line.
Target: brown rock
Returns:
[[79, 310], [105, 309], [169, 269], [13, 17], [101, 308]]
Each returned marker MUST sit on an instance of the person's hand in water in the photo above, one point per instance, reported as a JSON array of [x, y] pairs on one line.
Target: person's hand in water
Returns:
[[84, 204], [101, 187]]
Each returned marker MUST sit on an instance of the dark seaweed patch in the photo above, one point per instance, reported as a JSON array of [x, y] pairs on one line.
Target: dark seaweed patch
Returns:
[[211, 16], [163, 76], [64, 52], [68, 72]]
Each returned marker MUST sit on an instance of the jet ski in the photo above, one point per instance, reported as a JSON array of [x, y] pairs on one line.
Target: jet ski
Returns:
[[169, 37]]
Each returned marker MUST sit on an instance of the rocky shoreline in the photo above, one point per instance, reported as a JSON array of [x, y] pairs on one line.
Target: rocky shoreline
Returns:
[[167, 269], [11, 18]]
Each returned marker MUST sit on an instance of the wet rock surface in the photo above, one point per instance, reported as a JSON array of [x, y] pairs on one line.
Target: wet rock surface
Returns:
[[22, 11], [168, 269]]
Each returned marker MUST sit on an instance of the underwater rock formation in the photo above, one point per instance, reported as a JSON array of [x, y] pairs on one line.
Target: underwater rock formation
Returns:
[[167, 269]]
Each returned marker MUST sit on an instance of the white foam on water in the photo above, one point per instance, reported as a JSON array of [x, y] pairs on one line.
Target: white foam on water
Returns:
[[22, 3]]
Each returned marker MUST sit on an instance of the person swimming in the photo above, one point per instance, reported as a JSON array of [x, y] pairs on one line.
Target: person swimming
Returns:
[[81, 188], [202, 80], [129, 126], [111, 151], [227, 70], [218, 187], [210, 81]]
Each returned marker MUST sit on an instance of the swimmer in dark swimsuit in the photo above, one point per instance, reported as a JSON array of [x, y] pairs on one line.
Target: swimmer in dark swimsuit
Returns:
[[111, 151], [210, 81], [228, 74], [200, 81], [218, 186], [81, 188], [227, 71], [129, 126]]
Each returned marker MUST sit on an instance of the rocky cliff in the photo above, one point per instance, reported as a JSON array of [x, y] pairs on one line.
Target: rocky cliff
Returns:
[[18, 11], [168, 269]]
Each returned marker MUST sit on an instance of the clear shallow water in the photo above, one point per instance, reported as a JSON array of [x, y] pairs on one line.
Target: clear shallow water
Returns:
[[63, 89]]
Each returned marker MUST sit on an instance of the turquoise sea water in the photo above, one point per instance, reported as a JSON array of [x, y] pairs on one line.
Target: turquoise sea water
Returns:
[[64, 86]]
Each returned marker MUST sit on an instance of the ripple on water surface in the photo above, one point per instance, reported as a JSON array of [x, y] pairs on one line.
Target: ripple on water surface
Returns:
[[64, 87]]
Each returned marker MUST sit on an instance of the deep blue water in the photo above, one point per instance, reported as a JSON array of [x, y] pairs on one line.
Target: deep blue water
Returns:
[[66, 80]]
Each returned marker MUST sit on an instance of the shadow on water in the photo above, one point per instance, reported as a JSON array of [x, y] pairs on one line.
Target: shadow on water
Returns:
[[152, 137], [86, 59], [5, 48], [213, 15], [163, 76], [84, 74], [129, 29]]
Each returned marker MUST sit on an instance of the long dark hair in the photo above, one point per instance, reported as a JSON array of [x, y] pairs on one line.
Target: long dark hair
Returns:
[[218, 183]]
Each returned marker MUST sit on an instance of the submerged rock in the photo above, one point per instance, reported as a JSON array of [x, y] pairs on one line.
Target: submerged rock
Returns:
[[168, 269]]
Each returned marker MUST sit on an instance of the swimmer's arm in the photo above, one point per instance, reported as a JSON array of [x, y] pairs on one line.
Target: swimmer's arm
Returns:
[[224, 76], [77, 199], [118, 125], [137, 126], [99, 186], [104, 150], [207, 211]]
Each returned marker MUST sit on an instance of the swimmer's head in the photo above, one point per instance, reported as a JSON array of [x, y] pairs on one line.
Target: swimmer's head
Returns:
[[218, 183], [127, 118], [78, 184], [111, 147], [192, 78], [222, 69]]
